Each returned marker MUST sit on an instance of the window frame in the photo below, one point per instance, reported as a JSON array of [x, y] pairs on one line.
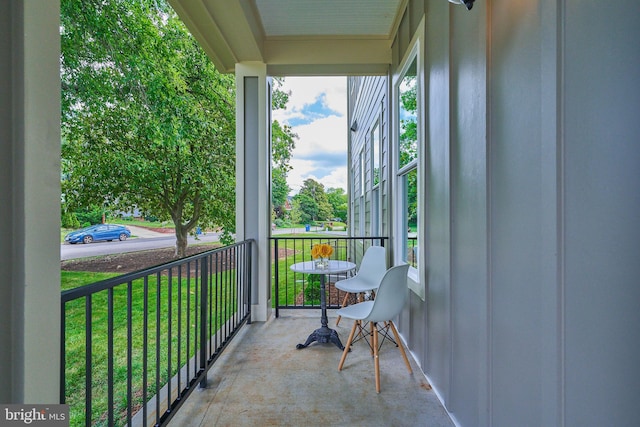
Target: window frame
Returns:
[[416, 277], [375, 136], [363, 188]]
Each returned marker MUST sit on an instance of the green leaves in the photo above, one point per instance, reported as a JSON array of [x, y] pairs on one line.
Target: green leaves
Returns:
[[312, 202], [147, 121]]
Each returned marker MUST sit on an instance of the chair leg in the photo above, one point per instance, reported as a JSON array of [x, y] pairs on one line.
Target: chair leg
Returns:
[[344, 304], [400, 346], [372, 326], [347, 345], [376, 362]]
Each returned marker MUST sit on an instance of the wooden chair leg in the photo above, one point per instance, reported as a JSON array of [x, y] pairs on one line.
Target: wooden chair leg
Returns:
[[348, 345], [344, 304], [400, 346], [376, 362]]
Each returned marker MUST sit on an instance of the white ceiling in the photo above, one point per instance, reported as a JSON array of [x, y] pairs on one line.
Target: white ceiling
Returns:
[[296, 37], [327, 17]]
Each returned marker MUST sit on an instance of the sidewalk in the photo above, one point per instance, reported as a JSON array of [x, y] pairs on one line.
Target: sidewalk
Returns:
[[146, 233]]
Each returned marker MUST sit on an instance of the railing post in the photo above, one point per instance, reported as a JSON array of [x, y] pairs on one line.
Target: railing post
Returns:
[[63, 351], [276, 276], [249, 264], [204, 295]]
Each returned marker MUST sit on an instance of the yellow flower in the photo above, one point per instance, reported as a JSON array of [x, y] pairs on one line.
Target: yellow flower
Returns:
[[321, 251]]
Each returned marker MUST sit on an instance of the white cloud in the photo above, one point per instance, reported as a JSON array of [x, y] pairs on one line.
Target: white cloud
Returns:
[[303, 169], [321, 148], [306, 90], [324, 135], [337, 179], [299, 173]]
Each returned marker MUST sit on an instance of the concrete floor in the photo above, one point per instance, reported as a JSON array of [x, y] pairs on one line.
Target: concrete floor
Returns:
[[261, 379]]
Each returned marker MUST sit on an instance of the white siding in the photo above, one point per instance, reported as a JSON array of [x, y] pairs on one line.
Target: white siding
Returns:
[[533, 208], [369, 107]]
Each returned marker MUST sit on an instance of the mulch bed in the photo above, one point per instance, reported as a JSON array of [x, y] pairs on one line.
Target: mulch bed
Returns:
[[334, 296], [128, 262], [134, 261]]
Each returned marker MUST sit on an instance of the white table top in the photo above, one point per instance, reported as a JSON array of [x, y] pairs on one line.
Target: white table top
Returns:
[[334, 267]]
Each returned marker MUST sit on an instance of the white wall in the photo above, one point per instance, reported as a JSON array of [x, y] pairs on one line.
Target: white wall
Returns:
[[523, 347], [253, 213], [6, 127], [30, 201], [601, 211], [533, 211]]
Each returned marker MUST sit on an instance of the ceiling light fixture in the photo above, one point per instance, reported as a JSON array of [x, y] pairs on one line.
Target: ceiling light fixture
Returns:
[[467, 3]]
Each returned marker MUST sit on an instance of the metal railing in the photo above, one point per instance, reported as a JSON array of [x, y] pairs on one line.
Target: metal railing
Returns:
[[133, 347], [412, 251], [294, 290]]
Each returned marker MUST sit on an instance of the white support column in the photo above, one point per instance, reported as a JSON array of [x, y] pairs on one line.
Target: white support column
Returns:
[[30, 201], [253, 214]]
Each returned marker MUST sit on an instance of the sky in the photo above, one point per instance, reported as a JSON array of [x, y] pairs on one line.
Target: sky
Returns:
[[317, 113]]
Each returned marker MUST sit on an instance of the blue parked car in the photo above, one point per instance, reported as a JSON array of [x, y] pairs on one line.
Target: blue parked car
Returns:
[[93, 233]]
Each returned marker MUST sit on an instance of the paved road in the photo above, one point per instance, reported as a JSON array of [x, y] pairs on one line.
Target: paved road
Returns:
[[144, 241]]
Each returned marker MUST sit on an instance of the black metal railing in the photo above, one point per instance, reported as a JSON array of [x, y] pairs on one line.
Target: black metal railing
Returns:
[[412, 251], [295, 290], [133, 347]]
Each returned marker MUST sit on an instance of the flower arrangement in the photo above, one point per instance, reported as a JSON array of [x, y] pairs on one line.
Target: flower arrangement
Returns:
[[321, 250]]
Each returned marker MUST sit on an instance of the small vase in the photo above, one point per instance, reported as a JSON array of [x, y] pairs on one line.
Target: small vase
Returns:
[[322, 263]]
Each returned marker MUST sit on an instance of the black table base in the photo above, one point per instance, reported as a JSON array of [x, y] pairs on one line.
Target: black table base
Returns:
[[323, 335]]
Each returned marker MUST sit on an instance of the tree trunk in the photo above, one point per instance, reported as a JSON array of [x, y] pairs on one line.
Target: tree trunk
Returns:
[[182, 230], [181, 241]]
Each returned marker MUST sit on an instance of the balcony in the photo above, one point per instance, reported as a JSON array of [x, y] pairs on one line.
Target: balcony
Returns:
[[174, 344], [262, 379]]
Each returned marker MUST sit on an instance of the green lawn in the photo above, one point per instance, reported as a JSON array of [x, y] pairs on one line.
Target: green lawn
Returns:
[[75, 279], [291, 284], [158, 323], [159, 319], [142, 223]]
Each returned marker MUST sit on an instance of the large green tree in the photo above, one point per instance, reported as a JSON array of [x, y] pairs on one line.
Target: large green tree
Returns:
[[339, 201], [147, 121], [283, 141], [313, 203], [279, 191]]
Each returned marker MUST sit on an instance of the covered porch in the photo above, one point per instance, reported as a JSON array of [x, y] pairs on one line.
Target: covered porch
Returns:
[[529, 239], [262, 379]]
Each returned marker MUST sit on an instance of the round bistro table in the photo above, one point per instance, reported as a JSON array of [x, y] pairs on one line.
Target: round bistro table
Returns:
[[324, 334]]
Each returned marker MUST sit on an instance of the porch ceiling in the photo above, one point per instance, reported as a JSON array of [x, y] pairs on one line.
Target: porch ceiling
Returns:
[[296, 37]]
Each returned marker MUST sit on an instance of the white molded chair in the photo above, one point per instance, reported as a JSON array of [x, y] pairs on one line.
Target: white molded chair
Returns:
[[390, 299], [372, 268]]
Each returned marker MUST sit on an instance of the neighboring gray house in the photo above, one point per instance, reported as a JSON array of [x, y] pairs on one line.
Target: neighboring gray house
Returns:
[[525, 302]]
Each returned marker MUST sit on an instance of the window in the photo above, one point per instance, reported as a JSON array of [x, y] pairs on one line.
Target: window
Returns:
[[410, 208], [375, 148], [375, 179], [408, 161], [362, 172], [409, 197], [363, 175]]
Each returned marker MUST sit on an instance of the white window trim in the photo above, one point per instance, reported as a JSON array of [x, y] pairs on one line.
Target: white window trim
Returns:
[[416, 277], [376, 131], [363, 189]]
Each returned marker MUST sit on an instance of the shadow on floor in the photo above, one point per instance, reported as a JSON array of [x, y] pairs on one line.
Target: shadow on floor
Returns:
[[263, 380]]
